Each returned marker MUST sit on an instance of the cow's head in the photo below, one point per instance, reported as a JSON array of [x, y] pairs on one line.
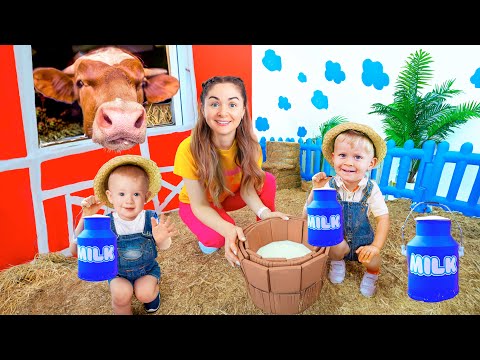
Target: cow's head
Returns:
[[110, 85]]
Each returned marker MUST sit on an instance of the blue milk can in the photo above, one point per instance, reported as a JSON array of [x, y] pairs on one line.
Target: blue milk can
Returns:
[[97, 249], [324, 218], [433, 260]]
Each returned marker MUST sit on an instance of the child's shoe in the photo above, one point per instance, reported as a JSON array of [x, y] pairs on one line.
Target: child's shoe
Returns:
[[152, 306], [368, 284], [206, 249], [337, 271]]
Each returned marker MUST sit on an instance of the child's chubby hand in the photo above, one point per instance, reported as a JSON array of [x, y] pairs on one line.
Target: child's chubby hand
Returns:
[[319, 180], [162, 231], [366, 253], [90, 205]]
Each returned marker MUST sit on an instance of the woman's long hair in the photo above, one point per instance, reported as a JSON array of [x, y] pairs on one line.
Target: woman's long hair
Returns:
[[206, 155]]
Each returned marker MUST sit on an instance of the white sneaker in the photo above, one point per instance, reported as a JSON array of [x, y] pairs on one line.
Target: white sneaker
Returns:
[[337, 271], [368, 284]]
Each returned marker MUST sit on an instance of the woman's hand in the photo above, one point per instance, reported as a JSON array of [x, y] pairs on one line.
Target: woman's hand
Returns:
[[90, 206], [231, 249], [267, 214]]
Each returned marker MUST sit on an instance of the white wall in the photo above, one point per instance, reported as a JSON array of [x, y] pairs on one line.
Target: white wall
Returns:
[[351, 98]]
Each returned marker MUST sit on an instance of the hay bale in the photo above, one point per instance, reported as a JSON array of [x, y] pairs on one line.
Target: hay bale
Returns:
[[283, 163], [306, 185], [159, 114]]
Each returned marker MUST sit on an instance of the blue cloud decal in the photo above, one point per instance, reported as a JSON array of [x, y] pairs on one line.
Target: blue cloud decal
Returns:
[[302, 77], [373, 74], [272, 61], [333, 72], [283, 103], [261, 124], [301, 131], [475, 79], [319, 100]]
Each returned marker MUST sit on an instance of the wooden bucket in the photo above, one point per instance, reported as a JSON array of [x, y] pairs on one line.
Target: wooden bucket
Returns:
[[279, 285]]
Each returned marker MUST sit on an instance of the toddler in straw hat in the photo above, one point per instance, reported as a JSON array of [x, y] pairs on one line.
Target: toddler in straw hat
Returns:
[[126, 183], [353, 149]]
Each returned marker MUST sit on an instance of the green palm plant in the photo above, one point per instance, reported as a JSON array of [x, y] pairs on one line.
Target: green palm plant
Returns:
[[327, 125], [422, 117]]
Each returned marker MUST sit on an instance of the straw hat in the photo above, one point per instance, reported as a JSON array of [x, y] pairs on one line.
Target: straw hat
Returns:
[[330, 136], [100, 182]]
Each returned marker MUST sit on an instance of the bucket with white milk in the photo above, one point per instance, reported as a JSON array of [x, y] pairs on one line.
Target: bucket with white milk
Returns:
[[283, 273]]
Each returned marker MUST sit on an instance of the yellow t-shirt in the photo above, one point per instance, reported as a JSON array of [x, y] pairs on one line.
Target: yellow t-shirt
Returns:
[[185, 167]]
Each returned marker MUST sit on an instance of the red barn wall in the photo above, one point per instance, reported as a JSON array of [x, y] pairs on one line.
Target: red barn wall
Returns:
[[19, 242], [12, 140], [211, 60]]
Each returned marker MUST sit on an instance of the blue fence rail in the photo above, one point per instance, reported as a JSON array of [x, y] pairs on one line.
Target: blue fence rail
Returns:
[[433, 160]]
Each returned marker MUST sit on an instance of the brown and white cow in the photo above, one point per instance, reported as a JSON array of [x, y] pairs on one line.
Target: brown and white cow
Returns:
[[110, 85]]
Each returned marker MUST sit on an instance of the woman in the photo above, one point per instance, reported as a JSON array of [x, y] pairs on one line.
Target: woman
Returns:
[[220, 163]]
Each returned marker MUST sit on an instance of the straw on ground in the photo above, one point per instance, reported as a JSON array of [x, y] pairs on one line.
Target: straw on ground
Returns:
[[194, 283]]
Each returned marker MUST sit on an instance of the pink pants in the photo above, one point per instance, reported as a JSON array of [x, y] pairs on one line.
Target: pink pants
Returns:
[[210, 237]]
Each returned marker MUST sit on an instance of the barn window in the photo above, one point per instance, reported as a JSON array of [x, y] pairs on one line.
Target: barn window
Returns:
[[59, 123]]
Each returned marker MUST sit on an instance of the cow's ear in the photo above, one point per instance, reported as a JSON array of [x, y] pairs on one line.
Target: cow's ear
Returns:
[[160, 88], [54, 84]]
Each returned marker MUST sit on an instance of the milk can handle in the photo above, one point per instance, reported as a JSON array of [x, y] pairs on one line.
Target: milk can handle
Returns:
[[76, 220], [434, 203]]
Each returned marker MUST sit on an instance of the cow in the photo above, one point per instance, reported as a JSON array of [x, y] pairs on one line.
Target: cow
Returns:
[[110, 85]]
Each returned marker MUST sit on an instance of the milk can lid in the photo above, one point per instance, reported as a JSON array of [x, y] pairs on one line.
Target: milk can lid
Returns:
[[96, 216], [324, 189], [432, 217]]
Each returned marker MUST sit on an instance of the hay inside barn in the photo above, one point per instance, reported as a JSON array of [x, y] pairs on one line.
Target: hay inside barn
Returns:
[[194, 283]]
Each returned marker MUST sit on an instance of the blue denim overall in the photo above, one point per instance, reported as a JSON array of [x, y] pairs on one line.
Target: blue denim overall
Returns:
[[137, 252], [356, 226]]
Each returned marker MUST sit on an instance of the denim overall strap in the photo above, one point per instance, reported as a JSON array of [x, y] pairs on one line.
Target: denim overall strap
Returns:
[[147, 229], [112, 223], [356, 225], [367, 192], [333, 185]]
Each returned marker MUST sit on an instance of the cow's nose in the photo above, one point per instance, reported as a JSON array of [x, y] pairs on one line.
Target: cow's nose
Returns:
[[130, 118]]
